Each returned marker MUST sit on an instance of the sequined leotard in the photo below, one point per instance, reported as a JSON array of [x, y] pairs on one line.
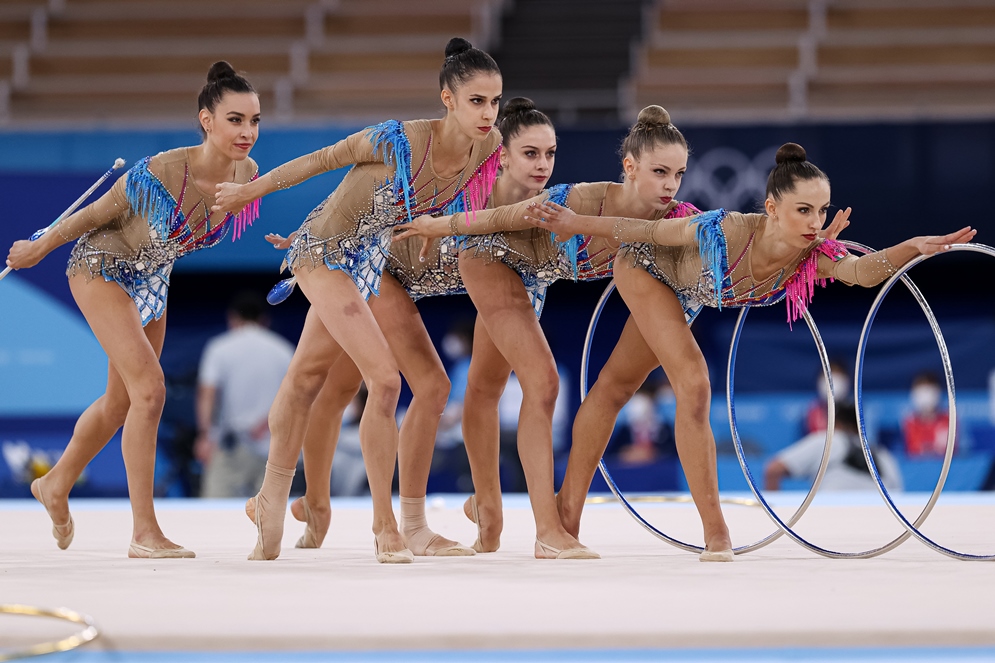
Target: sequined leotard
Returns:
[[439, 273], [152, 216], [707, 261], [393, 180], [540, 259]]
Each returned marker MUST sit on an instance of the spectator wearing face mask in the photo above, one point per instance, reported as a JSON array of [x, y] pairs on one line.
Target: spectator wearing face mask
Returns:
[[815, 417], [925, 429]]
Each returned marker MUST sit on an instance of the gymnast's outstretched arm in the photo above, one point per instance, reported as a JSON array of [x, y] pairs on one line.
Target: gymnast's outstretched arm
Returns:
[[871, 269], [100, 213]]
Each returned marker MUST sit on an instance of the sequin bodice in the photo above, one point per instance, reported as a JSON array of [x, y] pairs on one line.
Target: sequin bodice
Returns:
[[151, 217], [392, 180]]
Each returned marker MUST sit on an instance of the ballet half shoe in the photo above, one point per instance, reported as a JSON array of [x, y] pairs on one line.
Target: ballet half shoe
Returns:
[[435, 547], [544, 551], [474, 517], [136, 550], [63, 533], [388, 557], [716, 555], [309, 539]]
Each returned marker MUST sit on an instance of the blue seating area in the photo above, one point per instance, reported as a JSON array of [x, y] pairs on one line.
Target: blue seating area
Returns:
[[770, 422], [767, 424]]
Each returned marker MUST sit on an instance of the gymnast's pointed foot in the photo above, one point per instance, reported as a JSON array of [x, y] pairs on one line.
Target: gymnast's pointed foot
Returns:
[[267, 510], [58, 510], [489, 524], [569, 517], [316, 519]]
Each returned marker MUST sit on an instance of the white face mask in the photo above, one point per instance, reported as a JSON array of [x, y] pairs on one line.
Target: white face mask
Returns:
[[925, 398], [641, 409], [841, 385]]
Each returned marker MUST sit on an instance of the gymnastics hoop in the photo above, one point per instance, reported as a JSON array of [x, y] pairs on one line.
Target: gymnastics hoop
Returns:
[[66, 644], [858, 376], [904, 536], [668, 499], [831, 414]]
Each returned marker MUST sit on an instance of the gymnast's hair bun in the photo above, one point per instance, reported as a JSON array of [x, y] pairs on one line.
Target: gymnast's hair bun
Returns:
[[456, 46], [653, 115], [790, 152], [219, 71], [518, 105]]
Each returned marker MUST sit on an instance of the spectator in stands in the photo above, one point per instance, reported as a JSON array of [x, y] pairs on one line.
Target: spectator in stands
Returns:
[[240, 373], [642, 419], [456, 346], [815, 417], [128, 242], [847, 468], [925, 428], [362, 309]]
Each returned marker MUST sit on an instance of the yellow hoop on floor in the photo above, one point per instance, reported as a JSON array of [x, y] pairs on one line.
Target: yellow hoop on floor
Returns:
[[66, 644]]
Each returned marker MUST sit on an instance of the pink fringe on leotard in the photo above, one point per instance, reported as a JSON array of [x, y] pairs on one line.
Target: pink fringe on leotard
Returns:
[[244, 219], [800, 287], [478, 186]]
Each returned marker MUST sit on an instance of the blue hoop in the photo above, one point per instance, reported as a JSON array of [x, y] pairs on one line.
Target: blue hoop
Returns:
[[858, 377]]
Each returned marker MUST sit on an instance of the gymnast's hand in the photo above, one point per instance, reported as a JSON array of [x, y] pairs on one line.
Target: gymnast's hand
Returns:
[[25, 253], [425, 226], [229, 198], [561, 221], [280, 242], [839, 224], [931, 244]]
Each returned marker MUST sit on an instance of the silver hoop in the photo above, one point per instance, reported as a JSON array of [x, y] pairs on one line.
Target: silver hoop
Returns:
[[904, 536], [858, 376], [786, 528], [585, 361]]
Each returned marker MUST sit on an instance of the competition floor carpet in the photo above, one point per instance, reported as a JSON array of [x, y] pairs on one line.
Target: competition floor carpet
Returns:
[[643, 601]]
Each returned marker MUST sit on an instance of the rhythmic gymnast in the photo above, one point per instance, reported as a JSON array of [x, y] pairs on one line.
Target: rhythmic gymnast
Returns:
[[128, 240], [667, 270], [339, 257], [506, 279], [527, 157]]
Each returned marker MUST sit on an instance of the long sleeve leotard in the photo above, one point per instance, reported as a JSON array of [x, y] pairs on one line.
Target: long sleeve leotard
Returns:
[[392, 180], [707, 260], [534, 253]]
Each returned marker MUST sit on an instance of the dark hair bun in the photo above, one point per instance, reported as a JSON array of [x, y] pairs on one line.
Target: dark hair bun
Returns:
[[219, 71], [790, 152], [653, 115], [518, 105], [457, 45]]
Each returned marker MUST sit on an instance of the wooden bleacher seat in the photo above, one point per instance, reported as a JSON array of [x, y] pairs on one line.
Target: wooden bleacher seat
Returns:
[[719, 59], [128, 59]]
